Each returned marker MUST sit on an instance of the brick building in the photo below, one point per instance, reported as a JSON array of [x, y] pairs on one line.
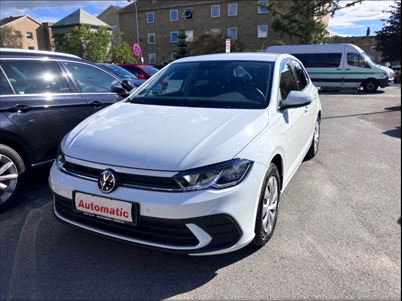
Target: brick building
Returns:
[[111, 17], [159, 23], [34, 35]]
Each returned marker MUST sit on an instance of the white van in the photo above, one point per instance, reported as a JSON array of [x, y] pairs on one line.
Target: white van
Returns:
[[339, 66]]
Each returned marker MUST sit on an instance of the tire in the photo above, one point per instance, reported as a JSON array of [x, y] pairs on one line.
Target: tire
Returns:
[[12, 169], [370, 86], [268, 206], [315, 143]]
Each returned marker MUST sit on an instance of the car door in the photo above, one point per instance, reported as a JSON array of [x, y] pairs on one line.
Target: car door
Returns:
[[356, 70], [43, 105], [310, 111], [292, 130], [94, 84]]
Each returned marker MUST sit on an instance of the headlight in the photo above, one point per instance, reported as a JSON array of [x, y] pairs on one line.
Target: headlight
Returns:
[[60, 159], [218, 176]]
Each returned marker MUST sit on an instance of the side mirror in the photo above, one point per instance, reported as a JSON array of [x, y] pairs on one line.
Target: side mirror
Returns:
[[118, 89], [296, 99], [140, 76], [128, 85]]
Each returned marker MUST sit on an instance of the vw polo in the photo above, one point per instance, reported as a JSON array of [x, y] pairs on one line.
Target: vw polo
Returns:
[[195, 160]]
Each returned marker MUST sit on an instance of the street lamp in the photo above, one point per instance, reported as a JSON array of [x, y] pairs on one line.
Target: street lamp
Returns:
[[136, 21]]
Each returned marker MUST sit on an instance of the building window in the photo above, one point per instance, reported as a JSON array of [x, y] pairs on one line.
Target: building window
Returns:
[[232, 9], [174, 37], [262, 31], [29, 35], [189, 35], [152, 58], [151, 38], [150, 17], [215, 30], [188, 14], [215, 11], [262, 9], [174, 15], [232, 32]]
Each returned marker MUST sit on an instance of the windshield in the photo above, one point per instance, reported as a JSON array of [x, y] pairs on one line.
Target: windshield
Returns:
[[150, 70], [118, 71], [213, 84]]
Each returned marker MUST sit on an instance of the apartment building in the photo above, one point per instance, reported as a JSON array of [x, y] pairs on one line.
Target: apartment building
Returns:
[[34, 35], [111, 17], [159, 23]]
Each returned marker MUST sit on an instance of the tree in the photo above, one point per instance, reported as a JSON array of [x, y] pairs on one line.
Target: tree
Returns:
[[389, 37], [10, 38], [208, 43], [182, 45], [88, 44], [368, 32], [301, 20], [121, 51]]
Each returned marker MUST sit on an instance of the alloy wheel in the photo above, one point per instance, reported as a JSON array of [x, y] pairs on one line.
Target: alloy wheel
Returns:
[[270, 205], [8, 178]]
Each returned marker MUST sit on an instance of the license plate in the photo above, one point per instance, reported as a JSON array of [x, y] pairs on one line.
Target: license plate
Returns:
[[105, 208]]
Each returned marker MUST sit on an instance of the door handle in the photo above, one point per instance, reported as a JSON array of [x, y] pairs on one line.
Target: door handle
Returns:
[[20, 108], [347, 69], [96, 104]]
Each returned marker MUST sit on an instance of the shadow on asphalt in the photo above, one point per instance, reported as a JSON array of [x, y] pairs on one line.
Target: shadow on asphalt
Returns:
[[64, 263], [349, 92], [396, 133]]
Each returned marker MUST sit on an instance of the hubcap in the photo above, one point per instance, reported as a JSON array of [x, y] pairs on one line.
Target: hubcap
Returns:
[[270, 205], [8, 178], [316, 136]]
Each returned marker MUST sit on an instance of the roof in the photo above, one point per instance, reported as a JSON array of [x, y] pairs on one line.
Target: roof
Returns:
[[239, 56], [164, 4], [80, 17], [111, 7], [12, 51], [10, 19]]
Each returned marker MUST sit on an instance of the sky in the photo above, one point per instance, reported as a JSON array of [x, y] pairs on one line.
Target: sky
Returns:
[[351, 21]]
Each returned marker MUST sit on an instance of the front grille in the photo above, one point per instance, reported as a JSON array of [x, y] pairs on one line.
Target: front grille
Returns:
[[129, 180], [148, 229]]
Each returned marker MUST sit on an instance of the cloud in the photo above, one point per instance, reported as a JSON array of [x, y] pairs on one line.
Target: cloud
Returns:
[[35, 8], [366, 11]]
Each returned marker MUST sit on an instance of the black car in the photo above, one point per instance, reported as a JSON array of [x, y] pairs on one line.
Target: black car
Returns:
[[43, 95]]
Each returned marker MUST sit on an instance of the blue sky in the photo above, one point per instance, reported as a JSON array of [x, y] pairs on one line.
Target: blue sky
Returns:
[[349, 22]]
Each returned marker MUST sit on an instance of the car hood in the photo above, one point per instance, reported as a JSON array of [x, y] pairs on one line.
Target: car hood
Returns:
[[162, 137]]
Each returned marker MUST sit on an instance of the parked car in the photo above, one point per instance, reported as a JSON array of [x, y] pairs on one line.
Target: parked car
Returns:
[[140, 71], [195, 159], [122, 73], [44, 95], [339, 66]]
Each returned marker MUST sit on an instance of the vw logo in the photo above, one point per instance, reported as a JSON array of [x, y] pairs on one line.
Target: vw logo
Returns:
[[107, 181]]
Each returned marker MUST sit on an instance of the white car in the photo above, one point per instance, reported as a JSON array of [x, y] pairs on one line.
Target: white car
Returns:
[[195, 160]]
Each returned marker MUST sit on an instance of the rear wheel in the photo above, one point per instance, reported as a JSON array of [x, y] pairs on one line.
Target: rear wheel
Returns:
[[370, 86], [315, 143], [268, 207], [12, 168]]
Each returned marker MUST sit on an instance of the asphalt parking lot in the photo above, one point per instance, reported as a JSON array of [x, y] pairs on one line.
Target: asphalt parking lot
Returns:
[[338, 234]]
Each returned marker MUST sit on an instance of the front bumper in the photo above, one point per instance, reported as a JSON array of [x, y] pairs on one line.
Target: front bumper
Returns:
[[197, 222], [385, 82]]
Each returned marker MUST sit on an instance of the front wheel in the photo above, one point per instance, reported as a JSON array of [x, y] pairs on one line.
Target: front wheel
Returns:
[[370, 86], [268, 207], [11, 169]]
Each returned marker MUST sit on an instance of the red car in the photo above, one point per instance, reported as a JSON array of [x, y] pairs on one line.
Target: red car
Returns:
[[140, 71]]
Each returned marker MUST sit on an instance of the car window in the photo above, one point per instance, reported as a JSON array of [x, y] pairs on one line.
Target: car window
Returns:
[[150, 70], [319, 60], [35, 77], [5, 88], [355, 59], [133, 70], [118, 71], [288, 81], [215, 84], [90, 79], [301, 76]]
